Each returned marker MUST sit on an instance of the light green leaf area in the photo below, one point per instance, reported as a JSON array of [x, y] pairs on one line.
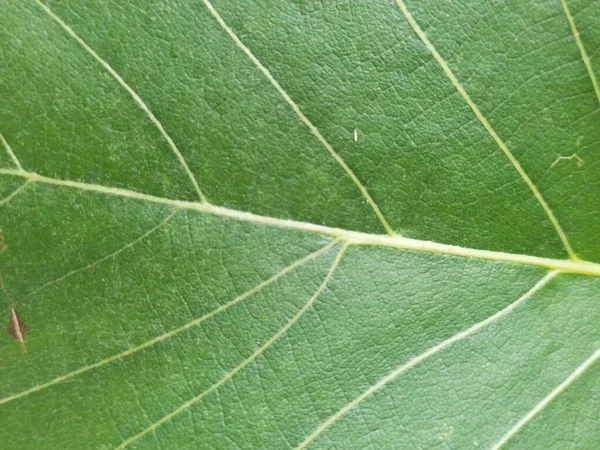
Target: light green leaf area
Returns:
[[300, 224]]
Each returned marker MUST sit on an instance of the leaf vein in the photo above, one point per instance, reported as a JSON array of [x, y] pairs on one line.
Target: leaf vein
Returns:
[[313, 129], [184, 406], [13, 194], [547, 400], [488, 126], [584, 56], [173, 332], [11, 153], [352, 237], [422, 357], [140, 238], [131, 92]]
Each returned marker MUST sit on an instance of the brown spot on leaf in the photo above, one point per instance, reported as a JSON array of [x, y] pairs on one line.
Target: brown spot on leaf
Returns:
[[3, 244], [17, 328]]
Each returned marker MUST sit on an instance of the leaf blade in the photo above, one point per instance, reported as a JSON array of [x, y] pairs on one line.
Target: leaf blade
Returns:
[[160, 321]]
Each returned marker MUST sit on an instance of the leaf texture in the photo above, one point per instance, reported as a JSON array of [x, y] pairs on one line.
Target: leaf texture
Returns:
[[300, 224]]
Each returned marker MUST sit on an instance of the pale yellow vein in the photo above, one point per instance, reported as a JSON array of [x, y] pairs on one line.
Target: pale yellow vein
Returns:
[[313, 129], [584, 55], [547, 400], [13, 194], [422, 357], [246, 361], [173, 332], [131, 92], [352, 237], [140, 238], [11, 153], [486, 124]]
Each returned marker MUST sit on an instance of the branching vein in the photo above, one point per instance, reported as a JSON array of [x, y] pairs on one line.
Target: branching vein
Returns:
[[107, 257], [131, 92], [246, 361], [314, 130], [422, 357], [165, 336], [584, 56], [486, 124], [13, 194], [351, 237], [11, 153], [547, 400]]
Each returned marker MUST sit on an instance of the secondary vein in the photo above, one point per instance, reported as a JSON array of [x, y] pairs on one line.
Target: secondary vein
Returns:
[[547, 400], [140, 238], [11, 153], [422, 357], [488, 126], [14, 193], [131, 92], [313, 129], [584, 55], [135, 349], [274, 338]]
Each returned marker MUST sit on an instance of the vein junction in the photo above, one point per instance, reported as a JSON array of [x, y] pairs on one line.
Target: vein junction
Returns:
[[488, 126], [258, 352], [313, 129], [348, 236], [197, 321], [131, 92]]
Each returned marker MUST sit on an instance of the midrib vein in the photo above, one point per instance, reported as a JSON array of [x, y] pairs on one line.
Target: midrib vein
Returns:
[[488, 126], [348, 236]]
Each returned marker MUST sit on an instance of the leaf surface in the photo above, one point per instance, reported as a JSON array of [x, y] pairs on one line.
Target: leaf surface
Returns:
[[300, 224]]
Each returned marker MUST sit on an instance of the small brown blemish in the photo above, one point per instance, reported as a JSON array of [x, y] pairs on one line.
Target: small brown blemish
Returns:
[[3, 244], [16, 327]]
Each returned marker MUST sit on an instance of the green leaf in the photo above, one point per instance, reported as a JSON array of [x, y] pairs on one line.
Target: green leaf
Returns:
[[300, 224]]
